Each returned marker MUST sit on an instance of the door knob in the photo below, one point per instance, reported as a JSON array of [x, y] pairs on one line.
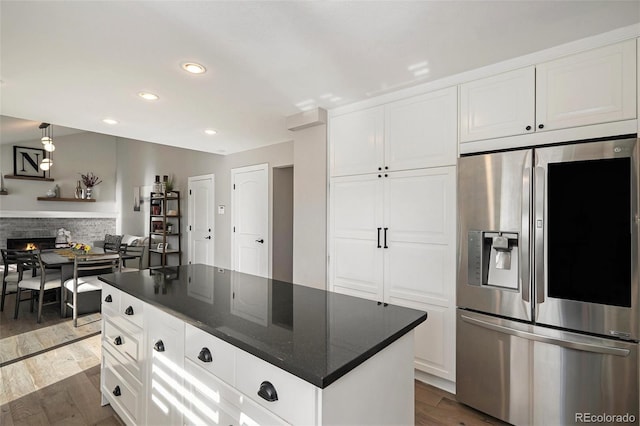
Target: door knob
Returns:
[[261, 241], [207, 238]]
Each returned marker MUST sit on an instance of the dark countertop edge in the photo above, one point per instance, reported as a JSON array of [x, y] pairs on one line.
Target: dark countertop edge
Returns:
[[318, 381]]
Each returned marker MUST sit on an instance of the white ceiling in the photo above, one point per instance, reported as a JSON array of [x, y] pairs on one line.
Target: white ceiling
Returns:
[[73, 63]]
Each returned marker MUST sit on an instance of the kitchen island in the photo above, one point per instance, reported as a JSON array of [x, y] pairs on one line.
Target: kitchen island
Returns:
[[197, 344]]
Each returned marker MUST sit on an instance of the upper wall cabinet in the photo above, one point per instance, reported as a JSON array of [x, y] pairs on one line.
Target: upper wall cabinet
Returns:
[[409, 134], [593, 87]]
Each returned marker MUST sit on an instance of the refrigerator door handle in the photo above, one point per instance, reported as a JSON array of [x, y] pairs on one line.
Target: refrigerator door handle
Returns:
[[538, 232], [525, 263], [580, 346]]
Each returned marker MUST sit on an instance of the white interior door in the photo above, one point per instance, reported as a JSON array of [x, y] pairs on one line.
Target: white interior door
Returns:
[[201, 219], [250, 209]]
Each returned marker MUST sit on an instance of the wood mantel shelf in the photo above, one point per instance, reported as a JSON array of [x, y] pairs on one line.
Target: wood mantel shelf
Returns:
[[74, 200], [29, 178]]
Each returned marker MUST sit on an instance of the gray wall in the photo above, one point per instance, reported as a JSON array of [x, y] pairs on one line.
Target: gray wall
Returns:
[[139, 162], [74, 154], [310, 206]]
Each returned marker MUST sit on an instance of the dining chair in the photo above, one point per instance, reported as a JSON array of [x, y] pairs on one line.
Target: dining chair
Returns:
[[10, 275], [138, 253], [35, 278], [85, 278]]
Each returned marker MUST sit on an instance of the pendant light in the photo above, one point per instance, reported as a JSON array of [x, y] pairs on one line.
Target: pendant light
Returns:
[[47, 142]]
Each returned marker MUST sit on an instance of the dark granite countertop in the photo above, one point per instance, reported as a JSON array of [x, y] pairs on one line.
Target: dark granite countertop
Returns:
[[316, 335]]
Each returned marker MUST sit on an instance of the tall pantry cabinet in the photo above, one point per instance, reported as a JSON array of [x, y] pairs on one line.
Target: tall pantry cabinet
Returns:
[[392, 214]]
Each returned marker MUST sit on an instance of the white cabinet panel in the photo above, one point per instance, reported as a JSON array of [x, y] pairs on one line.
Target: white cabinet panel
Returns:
[[437, 359], [597, 86], [356, 142], [421, 131], [501, 105], [165, 352], [356, 225]]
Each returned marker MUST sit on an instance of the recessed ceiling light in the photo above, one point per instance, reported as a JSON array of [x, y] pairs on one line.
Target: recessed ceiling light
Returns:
[[210, 132], [148, 96], [110, 121], [193, 68]]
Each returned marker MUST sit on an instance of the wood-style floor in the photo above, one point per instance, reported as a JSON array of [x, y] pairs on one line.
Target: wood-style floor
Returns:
[[50, 375]]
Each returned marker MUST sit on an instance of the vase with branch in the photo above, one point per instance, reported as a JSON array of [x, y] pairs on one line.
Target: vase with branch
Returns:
[[90, 180]]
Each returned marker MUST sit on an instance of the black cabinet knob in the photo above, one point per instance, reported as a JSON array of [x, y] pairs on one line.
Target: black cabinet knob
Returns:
[[528, 127], [159, 346], [128, 311], [117, 341], [379, 176], [386, 175], [540, 126], [379, 168], [108, 299], [386, 167], [205, 355], [116, 391], [268, 392]]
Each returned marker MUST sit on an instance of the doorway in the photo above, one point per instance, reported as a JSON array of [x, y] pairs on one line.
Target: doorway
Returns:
[[282, 240]]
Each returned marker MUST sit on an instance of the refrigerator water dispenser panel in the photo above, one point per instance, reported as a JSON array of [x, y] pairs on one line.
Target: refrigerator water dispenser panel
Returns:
[[493, 259]]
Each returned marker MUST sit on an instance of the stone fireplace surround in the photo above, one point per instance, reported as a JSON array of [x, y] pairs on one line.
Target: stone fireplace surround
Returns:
[[83, 230]]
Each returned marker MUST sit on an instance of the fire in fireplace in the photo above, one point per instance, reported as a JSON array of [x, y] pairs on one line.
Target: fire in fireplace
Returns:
[[31, 243]]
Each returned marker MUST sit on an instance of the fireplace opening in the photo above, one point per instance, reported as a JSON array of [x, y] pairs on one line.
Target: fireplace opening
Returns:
[[31, 243]]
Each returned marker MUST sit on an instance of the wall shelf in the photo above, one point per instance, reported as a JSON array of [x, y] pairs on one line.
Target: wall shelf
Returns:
[[29, 178], [73, 200]]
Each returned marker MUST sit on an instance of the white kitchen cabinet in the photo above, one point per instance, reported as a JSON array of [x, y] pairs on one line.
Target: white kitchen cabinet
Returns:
[[165, 351], [500, 105], [596, 86], [123, 358], [356, 141], [412, 133], [393, 240], [593, 87], [421, 131]]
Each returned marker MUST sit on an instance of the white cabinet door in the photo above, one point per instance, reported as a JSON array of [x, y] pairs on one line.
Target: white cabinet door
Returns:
[[419, 212], [419, 263], [356, 142], [497, 106], [165, 352], [421, 131], [355, 250], [597, 86]]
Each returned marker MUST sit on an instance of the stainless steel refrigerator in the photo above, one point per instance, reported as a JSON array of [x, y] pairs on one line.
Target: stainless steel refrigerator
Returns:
[[548, 297]]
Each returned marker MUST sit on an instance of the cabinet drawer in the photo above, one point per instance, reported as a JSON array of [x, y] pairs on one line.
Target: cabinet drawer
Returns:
[[296, 398], [212, 401], [121, 390], [222, 362], [126, 343], [134, 315]]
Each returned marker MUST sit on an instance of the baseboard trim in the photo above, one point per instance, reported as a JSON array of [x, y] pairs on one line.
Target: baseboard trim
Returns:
[[438, 382]]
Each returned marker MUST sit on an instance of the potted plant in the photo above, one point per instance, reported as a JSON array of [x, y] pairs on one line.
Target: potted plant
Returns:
[[90, 180]]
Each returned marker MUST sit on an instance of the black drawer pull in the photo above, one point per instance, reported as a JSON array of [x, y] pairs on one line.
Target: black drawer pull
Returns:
[[528, 128], [540, 126], [116, 391], [268, 392], [128, 311], [159, 346], [108, 299], [205, 355], [117, 341]]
